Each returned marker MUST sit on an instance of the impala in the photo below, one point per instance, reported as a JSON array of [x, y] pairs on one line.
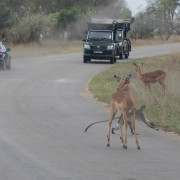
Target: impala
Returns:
[[151, 77], [125, 102]]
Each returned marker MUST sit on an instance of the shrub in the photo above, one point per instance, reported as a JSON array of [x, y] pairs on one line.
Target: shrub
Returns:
[[29, 29]]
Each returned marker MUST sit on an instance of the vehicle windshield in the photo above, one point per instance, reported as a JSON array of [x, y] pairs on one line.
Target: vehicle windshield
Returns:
[[100, 35]]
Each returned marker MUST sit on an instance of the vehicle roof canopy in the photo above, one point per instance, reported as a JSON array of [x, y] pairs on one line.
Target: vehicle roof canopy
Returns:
[[109, 24]]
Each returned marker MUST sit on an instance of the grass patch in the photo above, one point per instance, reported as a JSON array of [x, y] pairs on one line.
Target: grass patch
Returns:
[[164, 111], [46, 48], [52, 47], [154, 41]]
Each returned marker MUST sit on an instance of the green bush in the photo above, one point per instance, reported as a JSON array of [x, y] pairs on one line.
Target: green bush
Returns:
[[6, 21], [67, 16], [29, 29]]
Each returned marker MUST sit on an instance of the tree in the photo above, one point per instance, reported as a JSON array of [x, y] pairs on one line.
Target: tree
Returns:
[[177, 22], [28, 29], [67, 16], [162, 13], [142, 27], [116, 10], [63, 13]]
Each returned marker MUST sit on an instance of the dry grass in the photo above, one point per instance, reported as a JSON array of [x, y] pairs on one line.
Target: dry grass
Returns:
[[164, 111], [47, 47], [154, 41], [52, 47]]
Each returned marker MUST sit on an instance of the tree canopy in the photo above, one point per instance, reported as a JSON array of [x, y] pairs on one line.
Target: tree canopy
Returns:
[[24, 21]]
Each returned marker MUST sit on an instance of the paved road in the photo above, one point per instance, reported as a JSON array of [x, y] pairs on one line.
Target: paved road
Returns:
[[44, 109]]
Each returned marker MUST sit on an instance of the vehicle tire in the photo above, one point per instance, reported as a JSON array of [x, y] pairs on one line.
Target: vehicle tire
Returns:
[[112, 60], [85, 59], [4, 65], [126, 56], [8, 66], [120, 56]]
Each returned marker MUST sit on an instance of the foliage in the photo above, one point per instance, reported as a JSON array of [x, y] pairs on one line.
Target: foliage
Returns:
[[28, 29], [6, 21], [58, 5], [142, 27], [67, 16], [114, 11], [163, 15], [57, 16]]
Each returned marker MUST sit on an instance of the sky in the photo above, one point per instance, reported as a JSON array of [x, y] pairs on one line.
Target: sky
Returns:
[[136, 5]]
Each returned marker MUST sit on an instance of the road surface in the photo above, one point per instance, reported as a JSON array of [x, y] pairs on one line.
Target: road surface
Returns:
[[44, 109]]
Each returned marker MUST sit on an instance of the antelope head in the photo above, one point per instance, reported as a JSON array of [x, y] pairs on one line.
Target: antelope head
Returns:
[[123, 82], [138, 66]]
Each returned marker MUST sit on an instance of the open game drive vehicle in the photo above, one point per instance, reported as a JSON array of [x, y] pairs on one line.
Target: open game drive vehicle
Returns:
[[107, 40]]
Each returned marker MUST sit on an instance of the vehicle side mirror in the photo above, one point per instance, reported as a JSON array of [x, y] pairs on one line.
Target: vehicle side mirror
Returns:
[[8, 49]]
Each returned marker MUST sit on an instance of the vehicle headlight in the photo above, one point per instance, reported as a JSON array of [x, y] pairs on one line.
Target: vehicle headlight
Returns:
[[110, 47], [120, 44], [86, 46]]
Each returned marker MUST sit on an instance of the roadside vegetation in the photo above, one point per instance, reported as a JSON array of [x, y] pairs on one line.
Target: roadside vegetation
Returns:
[[163, 111], [54, 47], [47, 48], [24, 21]]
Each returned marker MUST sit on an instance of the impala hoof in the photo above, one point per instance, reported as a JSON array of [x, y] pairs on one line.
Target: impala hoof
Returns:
[[138, 148], [125, 146], [108, 145]]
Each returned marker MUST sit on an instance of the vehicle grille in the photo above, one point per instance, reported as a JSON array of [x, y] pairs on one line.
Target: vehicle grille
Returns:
[[99, 48]]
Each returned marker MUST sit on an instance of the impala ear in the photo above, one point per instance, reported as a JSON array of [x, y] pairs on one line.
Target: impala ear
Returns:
[[128, 79], [135, 64], [117, 78]]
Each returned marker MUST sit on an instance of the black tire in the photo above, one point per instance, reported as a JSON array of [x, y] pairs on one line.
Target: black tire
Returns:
[[112, 60], [4, 65], [8, 66], [85, 59], [126, 56], [120, 56]]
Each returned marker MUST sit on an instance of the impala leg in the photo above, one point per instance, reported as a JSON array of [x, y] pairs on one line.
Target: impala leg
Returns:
[[145, 86], [133, 122], [113, 113], [161, 82], [149, 88], [121, 122], [125, 133]]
